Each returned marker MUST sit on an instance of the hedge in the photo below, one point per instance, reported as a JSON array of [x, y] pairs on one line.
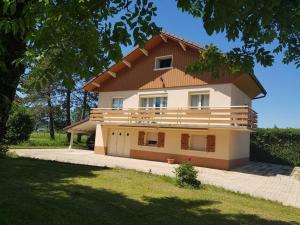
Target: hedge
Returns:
[[276, 145]]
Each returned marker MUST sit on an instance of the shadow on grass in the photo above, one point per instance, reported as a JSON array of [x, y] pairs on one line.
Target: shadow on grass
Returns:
[[39, 192]]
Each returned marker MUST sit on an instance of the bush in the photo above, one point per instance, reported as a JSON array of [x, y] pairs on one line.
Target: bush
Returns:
[[186, 175], [275, 145], [3, 148], [19, 125]]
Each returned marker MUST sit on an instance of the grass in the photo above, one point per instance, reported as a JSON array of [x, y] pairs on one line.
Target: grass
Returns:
[[42, 140], [41, 192]]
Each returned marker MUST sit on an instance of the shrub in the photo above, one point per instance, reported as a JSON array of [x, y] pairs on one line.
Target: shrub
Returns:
[[275, 145], [186, 175], [19, 125], [3, 148]]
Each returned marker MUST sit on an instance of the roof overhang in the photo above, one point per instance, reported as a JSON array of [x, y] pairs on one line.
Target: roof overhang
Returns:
[[247, 82], [85, 126]]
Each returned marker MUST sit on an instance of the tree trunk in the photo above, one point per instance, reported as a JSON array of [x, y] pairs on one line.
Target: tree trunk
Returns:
[[51, 118], [68, 111], [12, 48], [83, 111], [9, 77]]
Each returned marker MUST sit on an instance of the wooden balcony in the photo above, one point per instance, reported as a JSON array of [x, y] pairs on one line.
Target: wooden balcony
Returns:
[[223, 117]]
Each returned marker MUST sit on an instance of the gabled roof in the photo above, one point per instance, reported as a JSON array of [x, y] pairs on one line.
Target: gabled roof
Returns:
[[136, 53]]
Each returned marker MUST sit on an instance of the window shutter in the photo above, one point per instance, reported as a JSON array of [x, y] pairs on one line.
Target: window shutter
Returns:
[[185, 141], [141, 140], [161, 139], [210, 143]]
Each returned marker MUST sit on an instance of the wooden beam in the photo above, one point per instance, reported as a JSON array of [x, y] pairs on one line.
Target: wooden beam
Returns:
[[182, 45], [95, 84], [144, 51], [112, 74], [164, 38], [127, 63]]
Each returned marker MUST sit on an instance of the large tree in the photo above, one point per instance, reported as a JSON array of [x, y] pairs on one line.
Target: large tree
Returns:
[[265, 29], [92, 32]]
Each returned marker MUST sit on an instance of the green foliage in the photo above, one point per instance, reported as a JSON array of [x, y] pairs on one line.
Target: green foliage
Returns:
[[3, 148], [186, 175], [217, 63], [19, 125], [266, 28], [42, 140], [276, 145], [33, 192]]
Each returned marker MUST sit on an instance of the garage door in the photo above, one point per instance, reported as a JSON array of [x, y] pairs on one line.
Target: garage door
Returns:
[[119, 142]]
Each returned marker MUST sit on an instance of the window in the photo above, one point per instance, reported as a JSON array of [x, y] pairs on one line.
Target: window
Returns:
[[163, 62], [154, 102], [198, 142], [199, 101], [152, 139], [117, 103]]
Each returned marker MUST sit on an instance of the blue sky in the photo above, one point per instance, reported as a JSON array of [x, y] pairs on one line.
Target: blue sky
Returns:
[[281, 106]]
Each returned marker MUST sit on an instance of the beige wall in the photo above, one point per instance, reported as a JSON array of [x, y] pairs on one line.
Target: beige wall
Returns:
[[239, 145], [229, 144], [220, 95], [238, 97]]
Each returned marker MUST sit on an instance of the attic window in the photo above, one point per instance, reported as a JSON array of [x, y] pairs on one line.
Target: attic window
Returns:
[[163, 62]]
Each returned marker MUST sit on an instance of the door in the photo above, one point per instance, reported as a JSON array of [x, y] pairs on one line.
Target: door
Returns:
[[119, 142]]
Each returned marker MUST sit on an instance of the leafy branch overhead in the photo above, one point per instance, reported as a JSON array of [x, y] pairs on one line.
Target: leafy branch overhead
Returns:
[[77, 36], [265, 28]]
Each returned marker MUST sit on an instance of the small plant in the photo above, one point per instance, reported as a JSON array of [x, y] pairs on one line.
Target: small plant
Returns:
[[186, 175], [3, 149]]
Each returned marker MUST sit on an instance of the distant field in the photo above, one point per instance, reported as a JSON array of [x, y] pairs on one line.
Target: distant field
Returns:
[[42, 140]]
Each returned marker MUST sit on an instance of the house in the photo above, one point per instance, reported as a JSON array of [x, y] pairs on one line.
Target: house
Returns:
[[149, 108]]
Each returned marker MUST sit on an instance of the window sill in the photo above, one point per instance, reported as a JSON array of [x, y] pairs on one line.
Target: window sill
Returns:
[[166, 68]]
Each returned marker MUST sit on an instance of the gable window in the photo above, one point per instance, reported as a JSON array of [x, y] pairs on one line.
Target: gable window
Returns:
[[199, 100], [163, 62], [117, 103], [159, 102]]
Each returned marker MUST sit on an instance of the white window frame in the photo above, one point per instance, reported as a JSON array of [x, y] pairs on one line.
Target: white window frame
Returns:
[[153, 96], [163, 57], [198, 93], [117, 97]]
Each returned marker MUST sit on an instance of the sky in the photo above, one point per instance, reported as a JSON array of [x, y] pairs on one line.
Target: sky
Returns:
[[281, 106]]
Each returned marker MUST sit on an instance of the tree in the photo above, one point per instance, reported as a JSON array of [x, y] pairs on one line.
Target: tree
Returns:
[[40, 26], [258, 24], [20, 124]]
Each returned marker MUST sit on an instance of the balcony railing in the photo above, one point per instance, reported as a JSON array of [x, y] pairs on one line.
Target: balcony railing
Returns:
[[234, 116]]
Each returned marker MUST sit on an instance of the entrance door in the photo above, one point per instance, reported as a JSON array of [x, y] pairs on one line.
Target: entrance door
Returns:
[[119, 142]]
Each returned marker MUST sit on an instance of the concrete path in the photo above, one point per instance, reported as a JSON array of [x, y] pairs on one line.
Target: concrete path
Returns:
[[276, 185]]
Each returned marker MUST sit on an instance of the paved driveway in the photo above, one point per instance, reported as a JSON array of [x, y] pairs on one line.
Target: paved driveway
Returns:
[[262, 180]]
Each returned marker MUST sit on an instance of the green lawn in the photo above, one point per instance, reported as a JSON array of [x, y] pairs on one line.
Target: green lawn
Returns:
[[34, 192], [42, 140]]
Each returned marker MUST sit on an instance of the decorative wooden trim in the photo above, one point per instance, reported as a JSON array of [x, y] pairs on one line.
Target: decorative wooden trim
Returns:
[[237, 117], [210, 143], [127, 63], [113, 74], [141, 138], [183, 46], [95, 84], [161, 139], [164, 38], [144, 51], [185, 141]]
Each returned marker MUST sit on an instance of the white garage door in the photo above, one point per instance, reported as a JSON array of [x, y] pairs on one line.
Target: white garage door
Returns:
[[119, 142]]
